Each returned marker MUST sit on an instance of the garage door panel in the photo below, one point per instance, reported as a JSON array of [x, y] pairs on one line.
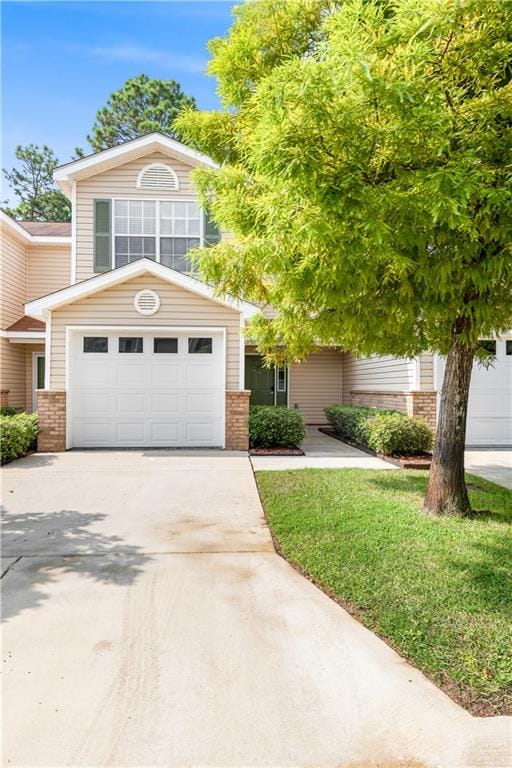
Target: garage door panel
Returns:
[[148, 399]]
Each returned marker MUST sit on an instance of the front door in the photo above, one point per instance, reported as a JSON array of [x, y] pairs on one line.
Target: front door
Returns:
[[260, 380]]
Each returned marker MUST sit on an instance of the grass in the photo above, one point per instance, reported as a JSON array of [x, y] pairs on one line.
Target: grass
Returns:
[[439, 590]]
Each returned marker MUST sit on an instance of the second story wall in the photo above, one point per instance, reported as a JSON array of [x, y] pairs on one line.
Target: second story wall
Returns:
[[118, 183], [49, 269], [13, 279]]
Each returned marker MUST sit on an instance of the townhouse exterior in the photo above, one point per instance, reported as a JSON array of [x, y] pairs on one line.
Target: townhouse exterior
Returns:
[[106, 333]]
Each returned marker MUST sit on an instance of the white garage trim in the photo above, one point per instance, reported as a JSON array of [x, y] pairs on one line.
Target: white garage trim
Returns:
[[72, 330]]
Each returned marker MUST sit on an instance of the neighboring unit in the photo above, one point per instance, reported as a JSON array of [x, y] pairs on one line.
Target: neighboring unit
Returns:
[[108, 334]]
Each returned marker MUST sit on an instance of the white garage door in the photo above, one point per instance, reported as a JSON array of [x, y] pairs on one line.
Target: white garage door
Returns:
[[490, 399], [160, 389]]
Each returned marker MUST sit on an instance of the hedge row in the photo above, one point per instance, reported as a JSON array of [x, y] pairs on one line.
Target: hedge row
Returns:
[[18, 435], [383, 431], [275, 426]]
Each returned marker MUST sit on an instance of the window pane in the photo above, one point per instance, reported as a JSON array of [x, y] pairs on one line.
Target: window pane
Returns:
[[180, 227], [166, 248], [165, 226], [488, 344], [281, 380], [149, 247], [165, 210], [121, 225], [165, 345], [121, 207], [130, 344], [40, 372], [180, 210], [193, 211], [182, 264], [200, 346], [95, 343], [508, 347], [193, 227]]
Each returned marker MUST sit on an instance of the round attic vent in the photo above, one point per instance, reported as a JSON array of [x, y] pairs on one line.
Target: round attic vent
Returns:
[[147, 302]]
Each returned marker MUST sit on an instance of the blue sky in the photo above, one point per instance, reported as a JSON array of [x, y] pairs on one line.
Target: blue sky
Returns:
[[61, 60]]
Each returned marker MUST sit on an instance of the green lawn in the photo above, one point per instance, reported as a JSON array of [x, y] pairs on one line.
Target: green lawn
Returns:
[[439, 590]]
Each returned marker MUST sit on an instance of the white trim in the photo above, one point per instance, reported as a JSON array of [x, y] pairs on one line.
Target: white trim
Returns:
[[241, 373], [415, 374], [35, 355], [109, 158], [166, 167], [33, 239], [39, 307], [72, 329], [73, 233], [23, 336], [48, 349]]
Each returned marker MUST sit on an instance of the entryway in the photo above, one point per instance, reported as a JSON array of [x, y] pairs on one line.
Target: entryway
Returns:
[[268, 385]]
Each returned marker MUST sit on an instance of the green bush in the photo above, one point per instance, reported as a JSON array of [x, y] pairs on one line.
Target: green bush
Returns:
[[10, 410], [275, 426], [396, 434], [17, 435], [383, 431]]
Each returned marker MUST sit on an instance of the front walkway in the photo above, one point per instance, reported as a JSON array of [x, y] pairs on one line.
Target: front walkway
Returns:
[[149, 622], [321, 451]]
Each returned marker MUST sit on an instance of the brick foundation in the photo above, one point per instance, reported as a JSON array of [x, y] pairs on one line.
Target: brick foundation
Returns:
[[420, 404], [51, 409], [237, 420], [4, 398]]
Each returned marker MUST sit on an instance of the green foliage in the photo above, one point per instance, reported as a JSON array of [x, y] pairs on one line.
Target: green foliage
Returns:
[[350, 421], [17, 435], [32, 183], [395, 434], [438, 589], [10, 410], [384, 431], [365, 172], [141, 106], [273, 426]]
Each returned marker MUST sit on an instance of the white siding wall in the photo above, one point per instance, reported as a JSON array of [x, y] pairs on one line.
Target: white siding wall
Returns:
[[384, 374]]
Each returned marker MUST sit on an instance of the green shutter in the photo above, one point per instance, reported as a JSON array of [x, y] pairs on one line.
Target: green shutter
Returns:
[[102, 236], [210, 230]]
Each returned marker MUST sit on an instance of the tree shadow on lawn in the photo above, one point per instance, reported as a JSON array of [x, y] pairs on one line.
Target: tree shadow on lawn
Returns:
[[37, 548]]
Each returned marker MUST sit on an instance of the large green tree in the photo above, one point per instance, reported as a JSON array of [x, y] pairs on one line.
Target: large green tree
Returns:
[[365, 152], [32, 183], [142, 105]]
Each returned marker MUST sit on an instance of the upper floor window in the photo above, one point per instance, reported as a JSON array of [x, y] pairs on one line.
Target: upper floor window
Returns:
[[158, 176], [156, 229]]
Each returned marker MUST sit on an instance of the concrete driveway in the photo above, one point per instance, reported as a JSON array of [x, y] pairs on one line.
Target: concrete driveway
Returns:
[[149, 622]]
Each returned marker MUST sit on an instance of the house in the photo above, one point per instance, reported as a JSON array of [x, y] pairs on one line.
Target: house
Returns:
[[106, 333]]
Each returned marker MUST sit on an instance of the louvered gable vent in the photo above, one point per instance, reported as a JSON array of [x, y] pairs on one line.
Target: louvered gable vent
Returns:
[[158, 176], [147, 302]]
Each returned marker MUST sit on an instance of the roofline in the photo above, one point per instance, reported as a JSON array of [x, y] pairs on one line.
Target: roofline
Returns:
[[23, 335], [39, 308], [66, 172], [34, 239]]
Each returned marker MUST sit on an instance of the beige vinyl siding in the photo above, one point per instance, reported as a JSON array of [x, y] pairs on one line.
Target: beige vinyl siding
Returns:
[[49, 269], [114, 306], [427, 371], [316, 383], [118, 183], [383, 374], [13, 278], [12, 372], [30, 350]]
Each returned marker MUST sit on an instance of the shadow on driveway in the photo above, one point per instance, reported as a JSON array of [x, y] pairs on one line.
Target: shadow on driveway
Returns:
[[49, 544]]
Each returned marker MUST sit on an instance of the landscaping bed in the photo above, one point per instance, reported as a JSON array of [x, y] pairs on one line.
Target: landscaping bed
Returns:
[[275, 430], [18, 434], [439, 590], [276, 452], [420, 461]]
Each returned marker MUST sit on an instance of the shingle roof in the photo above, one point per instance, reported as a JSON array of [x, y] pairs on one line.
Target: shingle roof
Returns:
[[26, 323], [50, 228]]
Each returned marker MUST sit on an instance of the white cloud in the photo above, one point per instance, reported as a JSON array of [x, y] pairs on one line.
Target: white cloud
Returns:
[[143, 54]]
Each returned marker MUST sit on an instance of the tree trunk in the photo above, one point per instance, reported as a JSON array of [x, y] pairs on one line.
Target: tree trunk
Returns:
[[447, 493]]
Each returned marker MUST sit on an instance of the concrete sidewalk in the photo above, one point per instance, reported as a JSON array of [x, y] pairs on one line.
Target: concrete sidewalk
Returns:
[[149, 622], [321, 452], [493, 464]]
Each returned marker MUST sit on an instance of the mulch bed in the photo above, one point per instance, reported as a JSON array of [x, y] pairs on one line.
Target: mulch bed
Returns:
[[275, 452], [421, 461]]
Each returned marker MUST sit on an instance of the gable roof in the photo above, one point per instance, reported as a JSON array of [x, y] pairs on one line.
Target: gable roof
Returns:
[[35, 232], [98, 162], [39, 308]]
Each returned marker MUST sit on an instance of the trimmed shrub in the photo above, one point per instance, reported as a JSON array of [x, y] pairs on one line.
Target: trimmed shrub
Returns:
[[383, 431], [396, 434], [275, 426], [17, 435], [10, 410]]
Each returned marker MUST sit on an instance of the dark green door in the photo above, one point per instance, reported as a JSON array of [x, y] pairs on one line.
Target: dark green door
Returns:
[[260, 380]]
